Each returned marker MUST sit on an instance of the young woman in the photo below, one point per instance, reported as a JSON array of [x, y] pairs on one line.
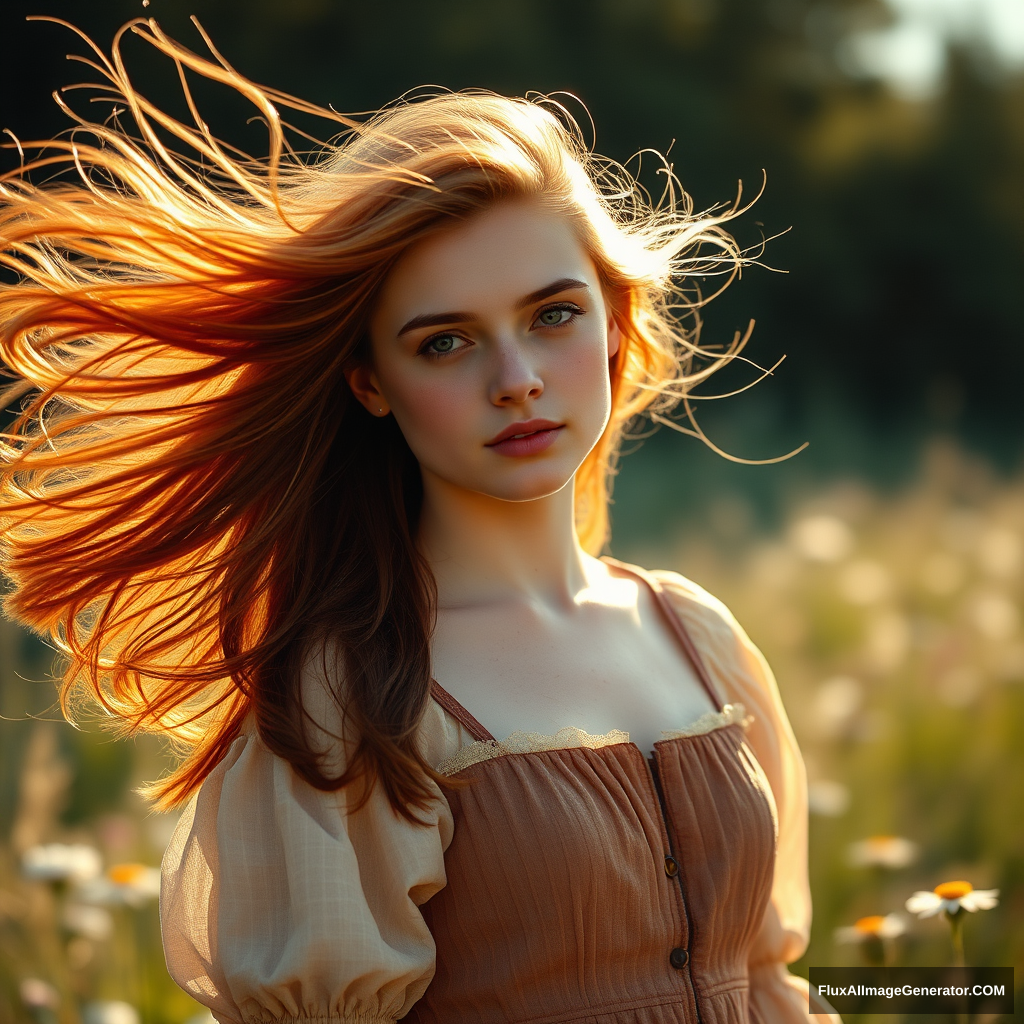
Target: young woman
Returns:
[[310, 475]]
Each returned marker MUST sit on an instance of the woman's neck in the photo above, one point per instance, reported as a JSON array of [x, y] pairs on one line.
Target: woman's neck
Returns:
[[484, 550]]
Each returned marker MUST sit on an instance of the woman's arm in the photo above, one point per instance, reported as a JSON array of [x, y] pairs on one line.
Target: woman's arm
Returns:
[[278, 904]]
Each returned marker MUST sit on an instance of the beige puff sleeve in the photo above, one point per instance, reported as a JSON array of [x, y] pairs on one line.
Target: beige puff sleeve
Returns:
[[278, 905], [743, 676]]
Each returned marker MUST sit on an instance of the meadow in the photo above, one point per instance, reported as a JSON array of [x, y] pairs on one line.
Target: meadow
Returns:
[[893, 623], [887, 599]]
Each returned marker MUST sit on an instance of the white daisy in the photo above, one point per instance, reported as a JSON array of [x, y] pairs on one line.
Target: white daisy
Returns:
[[109, 1012], [60, 862], [874, 927], [882, 851], [131, 885], [952, 897], [89, 922]]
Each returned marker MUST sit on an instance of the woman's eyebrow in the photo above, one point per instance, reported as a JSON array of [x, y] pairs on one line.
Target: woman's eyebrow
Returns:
[[456, 317], [435, 320], [561, 285]]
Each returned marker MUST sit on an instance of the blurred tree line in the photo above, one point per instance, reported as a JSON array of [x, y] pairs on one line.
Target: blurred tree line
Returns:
[[896, 310]]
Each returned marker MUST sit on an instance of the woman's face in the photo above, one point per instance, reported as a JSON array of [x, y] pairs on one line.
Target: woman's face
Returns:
[[490, 347]]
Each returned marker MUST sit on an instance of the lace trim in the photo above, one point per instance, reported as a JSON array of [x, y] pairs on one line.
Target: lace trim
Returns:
[[530, 742], [731, 714], [527, 743]]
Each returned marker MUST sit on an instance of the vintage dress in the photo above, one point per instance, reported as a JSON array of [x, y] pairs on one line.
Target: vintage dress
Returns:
[[571, 881]]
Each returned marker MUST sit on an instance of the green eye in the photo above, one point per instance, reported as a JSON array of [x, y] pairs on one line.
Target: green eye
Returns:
[[557, 316], [441, 345], [554, 317]]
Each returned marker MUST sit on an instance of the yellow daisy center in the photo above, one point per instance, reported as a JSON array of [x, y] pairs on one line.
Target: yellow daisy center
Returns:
[[869, 925], [953, 890], [126, 874]]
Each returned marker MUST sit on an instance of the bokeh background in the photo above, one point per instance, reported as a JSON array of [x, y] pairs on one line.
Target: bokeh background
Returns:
[[881, 570]]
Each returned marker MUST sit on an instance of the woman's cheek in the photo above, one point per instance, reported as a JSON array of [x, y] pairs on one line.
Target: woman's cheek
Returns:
[[587, 385], [435, 418]]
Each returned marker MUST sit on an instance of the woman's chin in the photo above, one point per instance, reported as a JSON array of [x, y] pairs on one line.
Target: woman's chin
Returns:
[[524, 482], [535, 488]]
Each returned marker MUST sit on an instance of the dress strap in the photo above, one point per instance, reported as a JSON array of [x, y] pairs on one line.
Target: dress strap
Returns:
[[675, 622], [454, 708]]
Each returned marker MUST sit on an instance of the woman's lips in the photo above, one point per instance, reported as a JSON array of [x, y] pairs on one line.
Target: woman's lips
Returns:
[[528, 444], [527, 438]]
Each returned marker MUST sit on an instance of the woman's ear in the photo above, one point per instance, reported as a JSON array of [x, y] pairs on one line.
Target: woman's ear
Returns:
[[365, 386], [614, 335]]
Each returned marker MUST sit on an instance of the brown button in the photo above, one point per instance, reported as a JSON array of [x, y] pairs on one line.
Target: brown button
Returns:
[[671, 867], [679, 958]]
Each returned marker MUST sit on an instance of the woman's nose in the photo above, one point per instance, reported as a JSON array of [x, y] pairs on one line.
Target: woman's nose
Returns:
[[516, 379]]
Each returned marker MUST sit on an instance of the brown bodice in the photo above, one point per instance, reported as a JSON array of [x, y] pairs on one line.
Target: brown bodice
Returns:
[[590, 885]]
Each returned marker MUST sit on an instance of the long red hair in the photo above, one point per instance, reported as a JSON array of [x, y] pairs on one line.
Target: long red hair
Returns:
[[178, 511]]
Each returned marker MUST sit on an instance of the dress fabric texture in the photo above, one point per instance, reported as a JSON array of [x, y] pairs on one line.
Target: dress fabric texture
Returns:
[[570, 880]]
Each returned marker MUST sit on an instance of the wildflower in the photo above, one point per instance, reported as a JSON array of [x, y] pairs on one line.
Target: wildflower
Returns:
[[124, 885], [864, 582], [952, 897], [59, 862], [883, 852], [836, 705], [822, 538], [827, 798], [37, 994], [109, 1012], [90, 922], [873, 935], [874, 927], [887, 640], [995, 615], [1000, 552]]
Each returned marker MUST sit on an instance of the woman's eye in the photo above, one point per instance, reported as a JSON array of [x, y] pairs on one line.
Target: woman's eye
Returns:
[[555, 316], [443, 345]]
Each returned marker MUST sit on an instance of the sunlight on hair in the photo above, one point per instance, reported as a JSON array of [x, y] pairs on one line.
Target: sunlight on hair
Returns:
[[184, 317]]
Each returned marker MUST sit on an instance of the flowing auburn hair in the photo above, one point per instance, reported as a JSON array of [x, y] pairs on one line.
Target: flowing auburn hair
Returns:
[[183, 508]]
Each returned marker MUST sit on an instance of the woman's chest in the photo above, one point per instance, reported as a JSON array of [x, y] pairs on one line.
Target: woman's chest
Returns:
[[600, 675], [589, 877]]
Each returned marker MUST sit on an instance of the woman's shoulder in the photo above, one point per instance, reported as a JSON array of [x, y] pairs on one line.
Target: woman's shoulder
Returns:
[[695, 601], [706, 618], [735, 664], [252, 777]]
